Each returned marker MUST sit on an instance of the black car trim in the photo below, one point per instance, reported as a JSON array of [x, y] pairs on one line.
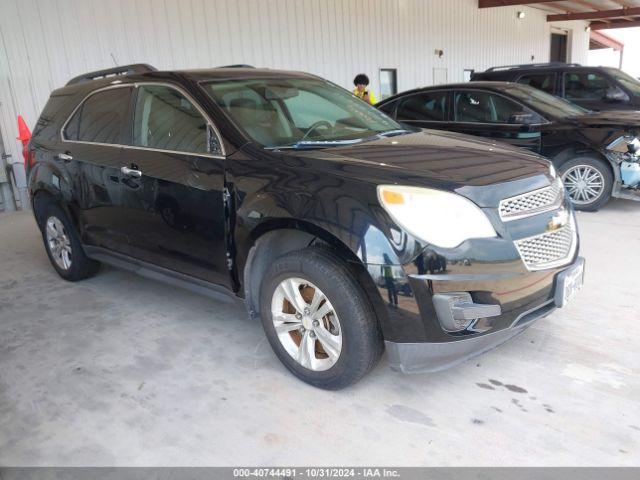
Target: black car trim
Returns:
[[534, 313], [206, 117], [156, 272]]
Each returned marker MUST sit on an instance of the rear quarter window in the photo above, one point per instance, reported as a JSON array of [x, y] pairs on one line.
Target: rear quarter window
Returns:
[[100, 118], [55, 112], [389, 108]]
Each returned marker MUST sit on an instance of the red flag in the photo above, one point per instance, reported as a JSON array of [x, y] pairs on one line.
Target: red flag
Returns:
[[24, 135]]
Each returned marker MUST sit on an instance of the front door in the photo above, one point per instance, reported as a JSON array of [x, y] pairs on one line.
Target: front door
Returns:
[[92, 154], [494, 116], [174, 190]]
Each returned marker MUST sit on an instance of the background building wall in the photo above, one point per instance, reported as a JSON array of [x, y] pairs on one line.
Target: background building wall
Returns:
[[43, 43]]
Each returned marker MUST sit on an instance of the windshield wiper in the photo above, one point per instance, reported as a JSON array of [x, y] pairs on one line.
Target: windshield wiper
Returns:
[[393, 133], [313, 144]]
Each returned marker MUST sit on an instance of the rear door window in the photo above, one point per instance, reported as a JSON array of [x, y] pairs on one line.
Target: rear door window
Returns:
[[100, 118], [485, 107], [427, 106], [542, 81], [166, 120]]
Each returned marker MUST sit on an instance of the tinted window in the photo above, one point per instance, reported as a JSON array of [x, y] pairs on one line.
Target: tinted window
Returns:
[[541, 81], [484, 107], [100, 118], [389, 108], [585, 86], [423, 106], [166, 120]]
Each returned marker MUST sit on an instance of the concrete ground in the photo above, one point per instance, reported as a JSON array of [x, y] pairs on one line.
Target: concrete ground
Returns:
[[120, 370]]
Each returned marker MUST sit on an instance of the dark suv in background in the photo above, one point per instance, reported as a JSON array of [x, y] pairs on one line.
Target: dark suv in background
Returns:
[[596, 153], [593, 88], [285, 191]]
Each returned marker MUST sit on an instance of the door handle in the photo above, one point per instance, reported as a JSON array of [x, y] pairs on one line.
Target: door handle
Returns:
[[131, 172], [65, 157]]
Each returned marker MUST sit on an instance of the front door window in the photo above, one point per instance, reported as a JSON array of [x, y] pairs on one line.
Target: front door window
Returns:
[[165, 119]]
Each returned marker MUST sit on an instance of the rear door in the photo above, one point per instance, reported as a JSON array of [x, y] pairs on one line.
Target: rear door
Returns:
[[92, 151], [491, 115], [174, 192]]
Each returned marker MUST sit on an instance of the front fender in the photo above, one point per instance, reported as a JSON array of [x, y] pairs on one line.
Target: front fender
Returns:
[[343, 212]]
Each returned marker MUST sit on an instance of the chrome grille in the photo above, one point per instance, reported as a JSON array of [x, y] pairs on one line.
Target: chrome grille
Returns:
[[549, 249], [532, 203]]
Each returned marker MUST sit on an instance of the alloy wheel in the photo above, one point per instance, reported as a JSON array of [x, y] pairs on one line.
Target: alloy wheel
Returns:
[[306, 324], [584, 184], [58, 242]]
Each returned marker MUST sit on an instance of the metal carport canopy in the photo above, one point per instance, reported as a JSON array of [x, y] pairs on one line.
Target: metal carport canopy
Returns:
[[602, 14]]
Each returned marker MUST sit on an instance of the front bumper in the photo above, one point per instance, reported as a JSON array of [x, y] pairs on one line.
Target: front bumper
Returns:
[[434, 356]]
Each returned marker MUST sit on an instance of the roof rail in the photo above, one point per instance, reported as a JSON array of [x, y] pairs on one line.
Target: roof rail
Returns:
[[237, 65], [525, 65], [108, 72]]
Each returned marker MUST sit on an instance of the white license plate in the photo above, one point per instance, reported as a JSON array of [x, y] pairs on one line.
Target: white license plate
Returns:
[[569, 283]]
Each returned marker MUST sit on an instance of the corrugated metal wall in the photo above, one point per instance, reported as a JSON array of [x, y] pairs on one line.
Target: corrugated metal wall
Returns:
[[43, 43]]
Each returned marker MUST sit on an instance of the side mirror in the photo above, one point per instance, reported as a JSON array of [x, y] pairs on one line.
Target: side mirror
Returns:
[[521, 118], [615, 94]]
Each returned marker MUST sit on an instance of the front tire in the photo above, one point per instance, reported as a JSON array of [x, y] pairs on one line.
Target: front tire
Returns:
[[63, 245], [588, 182], [318, 319]]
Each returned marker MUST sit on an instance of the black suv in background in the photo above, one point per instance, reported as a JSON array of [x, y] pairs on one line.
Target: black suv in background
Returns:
[[596, 153], [286, 191], [593, 88]]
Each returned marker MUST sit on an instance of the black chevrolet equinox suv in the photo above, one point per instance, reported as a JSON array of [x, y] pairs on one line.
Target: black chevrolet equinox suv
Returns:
[[341, 230]]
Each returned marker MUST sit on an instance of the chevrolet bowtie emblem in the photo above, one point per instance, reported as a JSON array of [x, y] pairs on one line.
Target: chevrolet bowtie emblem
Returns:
[[558, 221]]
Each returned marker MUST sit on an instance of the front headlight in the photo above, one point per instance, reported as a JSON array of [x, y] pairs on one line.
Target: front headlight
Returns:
[[552, 170], [441, 218]]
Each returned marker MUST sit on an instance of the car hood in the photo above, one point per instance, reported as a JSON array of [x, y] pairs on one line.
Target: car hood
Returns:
[[436, 159], [450, 157], [628, 119]]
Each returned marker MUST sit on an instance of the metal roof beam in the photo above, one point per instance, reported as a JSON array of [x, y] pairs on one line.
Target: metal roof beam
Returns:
[[622, 12], [617, 24], [509, 3]]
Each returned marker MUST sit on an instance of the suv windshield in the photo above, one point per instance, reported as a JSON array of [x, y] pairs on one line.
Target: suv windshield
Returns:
[[279, 112], [626, 80], [551, 105]]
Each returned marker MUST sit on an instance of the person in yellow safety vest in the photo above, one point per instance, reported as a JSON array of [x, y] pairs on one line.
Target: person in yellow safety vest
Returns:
[[362, 90]]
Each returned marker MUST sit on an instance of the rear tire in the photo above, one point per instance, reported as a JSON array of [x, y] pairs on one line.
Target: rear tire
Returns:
[[588, 182], [63, 245], [330, 338]]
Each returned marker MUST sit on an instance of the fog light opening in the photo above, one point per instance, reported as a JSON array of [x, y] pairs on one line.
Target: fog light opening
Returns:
[[456, 311]]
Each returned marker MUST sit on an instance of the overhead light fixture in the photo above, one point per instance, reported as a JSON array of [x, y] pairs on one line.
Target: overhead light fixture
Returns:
[[521, 15]]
